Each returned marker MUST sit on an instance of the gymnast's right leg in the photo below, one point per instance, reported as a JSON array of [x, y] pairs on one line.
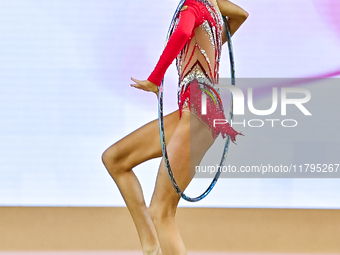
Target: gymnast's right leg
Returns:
[[119, 159]]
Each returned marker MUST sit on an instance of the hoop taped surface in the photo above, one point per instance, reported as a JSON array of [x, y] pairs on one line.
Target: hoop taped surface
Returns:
[[161, 122]]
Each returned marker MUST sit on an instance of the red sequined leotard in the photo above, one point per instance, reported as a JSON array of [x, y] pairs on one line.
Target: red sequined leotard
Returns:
[[196, 41]]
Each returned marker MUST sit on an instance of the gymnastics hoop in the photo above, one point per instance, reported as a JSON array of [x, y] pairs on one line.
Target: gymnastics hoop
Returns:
[[161, 121]]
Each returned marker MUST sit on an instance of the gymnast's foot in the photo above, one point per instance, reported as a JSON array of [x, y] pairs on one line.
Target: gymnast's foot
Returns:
[[154, 252]]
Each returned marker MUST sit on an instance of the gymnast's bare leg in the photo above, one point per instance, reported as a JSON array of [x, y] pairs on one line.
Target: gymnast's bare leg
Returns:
[[184, 153], [142, 145], [137, 147]]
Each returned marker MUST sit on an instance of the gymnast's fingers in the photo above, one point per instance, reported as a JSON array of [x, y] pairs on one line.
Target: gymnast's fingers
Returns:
[[136, 81]]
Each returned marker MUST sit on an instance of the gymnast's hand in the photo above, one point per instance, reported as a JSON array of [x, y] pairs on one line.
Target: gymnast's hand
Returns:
[[145, 85]]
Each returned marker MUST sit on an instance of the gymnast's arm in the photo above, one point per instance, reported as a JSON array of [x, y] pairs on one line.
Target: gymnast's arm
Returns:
[[236, 16], [174, 46]]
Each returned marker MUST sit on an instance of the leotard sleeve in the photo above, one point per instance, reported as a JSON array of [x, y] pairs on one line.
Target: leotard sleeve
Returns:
[[177, 40]]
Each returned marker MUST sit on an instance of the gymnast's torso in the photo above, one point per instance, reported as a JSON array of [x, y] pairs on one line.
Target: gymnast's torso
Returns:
[[196, 43], [200, 57]]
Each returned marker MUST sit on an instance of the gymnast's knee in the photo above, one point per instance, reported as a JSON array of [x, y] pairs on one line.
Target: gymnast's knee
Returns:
[[113, 161], [161, 213]]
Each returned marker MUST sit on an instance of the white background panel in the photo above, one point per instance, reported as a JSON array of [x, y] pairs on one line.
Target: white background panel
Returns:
[[65, 69]]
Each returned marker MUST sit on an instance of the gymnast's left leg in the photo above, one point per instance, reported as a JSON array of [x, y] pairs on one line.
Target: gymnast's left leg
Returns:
[[183, 155]]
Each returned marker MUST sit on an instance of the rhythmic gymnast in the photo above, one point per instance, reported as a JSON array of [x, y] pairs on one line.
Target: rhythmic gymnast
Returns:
[[195, 42]]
